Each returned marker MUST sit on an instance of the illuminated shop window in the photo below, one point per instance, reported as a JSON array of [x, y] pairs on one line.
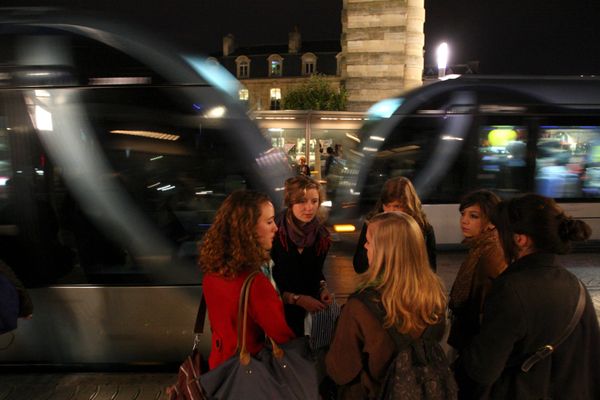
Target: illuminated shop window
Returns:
[[243, 93]]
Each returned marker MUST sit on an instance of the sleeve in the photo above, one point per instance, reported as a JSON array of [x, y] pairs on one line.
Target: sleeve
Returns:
[[344, 358], [25, 303], [490, 265], [281, 277], [265, 307], [360, 261], [503, 325], [431, 247]]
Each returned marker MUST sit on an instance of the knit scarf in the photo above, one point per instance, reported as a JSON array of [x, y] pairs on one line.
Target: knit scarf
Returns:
[[303, 235], [461, 289]]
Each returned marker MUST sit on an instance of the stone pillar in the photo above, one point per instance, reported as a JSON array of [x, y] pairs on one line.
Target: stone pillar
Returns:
[[382, 49]]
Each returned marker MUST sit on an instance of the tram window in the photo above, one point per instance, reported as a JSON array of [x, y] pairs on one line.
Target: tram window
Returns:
[[502, 158], [410, 151], [568, 161]]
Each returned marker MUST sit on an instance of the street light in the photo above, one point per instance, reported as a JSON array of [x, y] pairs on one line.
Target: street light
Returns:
[[442, 59]]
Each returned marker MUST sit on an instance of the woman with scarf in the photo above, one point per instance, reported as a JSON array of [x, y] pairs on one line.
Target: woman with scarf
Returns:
[[485, 261], [299, 251]]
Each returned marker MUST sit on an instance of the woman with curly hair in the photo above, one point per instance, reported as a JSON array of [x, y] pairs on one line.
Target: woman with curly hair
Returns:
[[238, 243], [397, 194], [401, 284]]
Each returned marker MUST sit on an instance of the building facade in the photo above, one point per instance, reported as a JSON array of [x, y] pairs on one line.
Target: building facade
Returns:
[[269, 72]]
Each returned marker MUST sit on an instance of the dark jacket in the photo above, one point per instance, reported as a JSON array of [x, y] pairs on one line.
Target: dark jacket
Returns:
[[298, 273], [529, 306], [361, 263]]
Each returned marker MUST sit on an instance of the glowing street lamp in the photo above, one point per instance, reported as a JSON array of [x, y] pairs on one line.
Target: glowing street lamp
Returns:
[[442, 59]]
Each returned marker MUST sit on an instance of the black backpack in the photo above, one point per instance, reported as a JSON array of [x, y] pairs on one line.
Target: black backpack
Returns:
[[420, 370]]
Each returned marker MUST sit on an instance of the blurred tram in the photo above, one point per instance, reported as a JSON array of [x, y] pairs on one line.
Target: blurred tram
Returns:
[[511, 135], [115, 153]]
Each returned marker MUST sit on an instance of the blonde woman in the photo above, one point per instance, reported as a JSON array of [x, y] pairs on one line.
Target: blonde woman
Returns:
[[411, 295], [397, 194]]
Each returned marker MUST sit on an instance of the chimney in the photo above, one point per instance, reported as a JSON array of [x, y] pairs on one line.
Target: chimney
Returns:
[[228, 44], [295, 41]]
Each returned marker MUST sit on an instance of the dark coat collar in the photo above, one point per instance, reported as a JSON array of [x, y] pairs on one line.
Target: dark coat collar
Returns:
[[531, 261]]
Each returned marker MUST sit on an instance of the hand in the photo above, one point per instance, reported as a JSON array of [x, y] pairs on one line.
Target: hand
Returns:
[[310, 304], [326, 297]]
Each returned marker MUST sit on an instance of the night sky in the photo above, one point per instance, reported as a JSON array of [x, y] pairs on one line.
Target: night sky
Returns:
[[517, 37]]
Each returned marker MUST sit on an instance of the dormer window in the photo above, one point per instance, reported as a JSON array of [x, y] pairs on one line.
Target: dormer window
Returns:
[[243, 67], [275, 65], [309, 64]]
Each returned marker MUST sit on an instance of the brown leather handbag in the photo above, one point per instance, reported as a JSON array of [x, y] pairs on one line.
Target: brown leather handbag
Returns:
[[188, 386]]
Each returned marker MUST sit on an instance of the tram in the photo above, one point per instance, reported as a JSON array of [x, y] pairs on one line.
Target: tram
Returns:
[[115, 153], [511, 135]]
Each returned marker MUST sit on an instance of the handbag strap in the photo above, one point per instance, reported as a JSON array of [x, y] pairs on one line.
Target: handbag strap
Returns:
[[546, 350], [367, 297], [243, 321], [199, 324]]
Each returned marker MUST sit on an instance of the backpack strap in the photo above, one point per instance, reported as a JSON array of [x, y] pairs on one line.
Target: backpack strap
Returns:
[[370, 298]]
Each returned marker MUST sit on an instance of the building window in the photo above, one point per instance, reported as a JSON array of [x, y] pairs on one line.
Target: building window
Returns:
[[275, 99], [243, 93], [243, 67], [309, 64], [275, 65]]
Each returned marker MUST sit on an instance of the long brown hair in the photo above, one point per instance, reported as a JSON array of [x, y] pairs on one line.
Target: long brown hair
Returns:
[[231, 244], [411, 293], [401, 189]]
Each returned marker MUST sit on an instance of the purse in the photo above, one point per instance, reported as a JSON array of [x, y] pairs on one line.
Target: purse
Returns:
[[187, 386], [277, 372]]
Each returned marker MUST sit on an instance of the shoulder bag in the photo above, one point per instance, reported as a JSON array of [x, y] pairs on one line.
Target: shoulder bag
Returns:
[[277, 372]]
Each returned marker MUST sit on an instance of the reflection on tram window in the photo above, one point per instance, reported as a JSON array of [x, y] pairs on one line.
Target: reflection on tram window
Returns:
[[568, 161], [502, 152]]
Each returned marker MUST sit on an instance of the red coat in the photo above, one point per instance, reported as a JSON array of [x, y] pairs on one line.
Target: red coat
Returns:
[[265, 315]]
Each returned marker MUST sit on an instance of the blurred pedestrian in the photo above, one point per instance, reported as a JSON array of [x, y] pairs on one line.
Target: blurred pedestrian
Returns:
[[329, 161], [484, 262], [238, 243], [303, 168], [529, 308], [397, 194], [411, 294]]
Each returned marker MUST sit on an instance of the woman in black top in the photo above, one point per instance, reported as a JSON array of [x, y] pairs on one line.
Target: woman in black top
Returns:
[[529, 306], [398, 194], [299, 250]]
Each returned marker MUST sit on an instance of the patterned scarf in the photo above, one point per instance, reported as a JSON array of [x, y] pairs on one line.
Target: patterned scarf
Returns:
[[302, 235], [461, 289]]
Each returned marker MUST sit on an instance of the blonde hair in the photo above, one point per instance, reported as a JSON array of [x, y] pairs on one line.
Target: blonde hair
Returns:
[[401, 189], [412, 295]]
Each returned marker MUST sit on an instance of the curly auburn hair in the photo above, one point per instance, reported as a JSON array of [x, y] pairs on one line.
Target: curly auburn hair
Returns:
[[231, 244]]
